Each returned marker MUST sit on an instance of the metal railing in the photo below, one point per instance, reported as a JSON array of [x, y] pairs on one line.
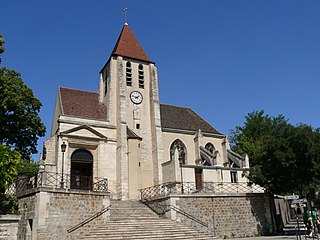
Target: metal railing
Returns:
[[89, 219], [56, 180], [166, 189], [166, 208]]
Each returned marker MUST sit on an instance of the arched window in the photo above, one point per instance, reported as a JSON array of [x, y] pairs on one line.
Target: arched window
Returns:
[[129, 74], [81, 155], [210, 147], [178, 151], [208, 155], [141, 76]]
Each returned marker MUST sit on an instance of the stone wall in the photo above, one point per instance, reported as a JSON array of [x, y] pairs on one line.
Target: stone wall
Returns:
[[9, 227], [283, 212], [227, 216], [48, 214]]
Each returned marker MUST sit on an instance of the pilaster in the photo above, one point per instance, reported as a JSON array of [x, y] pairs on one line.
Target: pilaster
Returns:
[[197, 143], [122, 146], [156, 131]]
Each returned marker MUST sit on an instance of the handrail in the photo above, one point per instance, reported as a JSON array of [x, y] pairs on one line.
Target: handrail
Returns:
[[89, 219], [191, 217]]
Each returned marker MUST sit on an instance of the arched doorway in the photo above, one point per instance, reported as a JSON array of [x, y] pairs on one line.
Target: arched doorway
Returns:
[[81, 169]]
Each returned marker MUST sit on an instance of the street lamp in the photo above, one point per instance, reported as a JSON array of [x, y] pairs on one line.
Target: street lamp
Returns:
[[181, 175], [63, 150]]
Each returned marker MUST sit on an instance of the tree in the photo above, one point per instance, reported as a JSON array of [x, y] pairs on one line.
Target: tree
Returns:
[[283, 158], [2, 49], [20, 124], [9, 164], [20, 128]]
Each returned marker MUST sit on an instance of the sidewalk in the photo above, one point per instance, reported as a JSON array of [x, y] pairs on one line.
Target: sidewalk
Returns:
[[280, 237], [289, 232]]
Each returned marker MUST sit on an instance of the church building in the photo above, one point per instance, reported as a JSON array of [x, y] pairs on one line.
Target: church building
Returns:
[[124, 134]]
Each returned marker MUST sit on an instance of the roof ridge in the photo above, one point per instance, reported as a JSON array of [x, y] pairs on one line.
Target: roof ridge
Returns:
[[174, 106], [74, 89]]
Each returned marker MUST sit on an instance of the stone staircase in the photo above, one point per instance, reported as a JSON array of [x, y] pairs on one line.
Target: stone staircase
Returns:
[[134, 220], [292, 227]]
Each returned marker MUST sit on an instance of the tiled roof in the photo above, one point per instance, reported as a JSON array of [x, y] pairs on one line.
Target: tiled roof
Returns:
[[84, 104], [181, 118], [132, 135], [129, 46]]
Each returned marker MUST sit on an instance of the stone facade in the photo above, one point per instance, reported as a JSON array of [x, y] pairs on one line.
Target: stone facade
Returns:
[[283, 212], [9, 227], [227, 216], [49, 213]]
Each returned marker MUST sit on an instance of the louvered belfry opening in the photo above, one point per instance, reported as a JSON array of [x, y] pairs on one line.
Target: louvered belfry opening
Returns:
[[81, 170]]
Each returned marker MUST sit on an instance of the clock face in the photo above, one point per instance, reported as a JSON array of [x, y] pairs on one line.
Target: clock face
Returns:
[[136, 97]]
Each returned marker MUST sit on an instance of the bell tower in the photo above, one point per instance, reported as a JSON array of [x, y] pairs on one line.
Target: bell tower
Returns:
[[129, 89]]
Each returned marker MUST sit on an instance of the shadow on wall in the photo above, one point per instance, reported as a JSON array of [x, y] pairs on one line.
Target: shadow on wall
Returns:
[[263, 209]]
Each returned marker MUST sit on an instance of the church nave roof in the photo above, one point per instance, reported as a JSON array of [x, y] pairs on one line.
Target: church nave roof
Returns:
[[83, 104], [173, 117]]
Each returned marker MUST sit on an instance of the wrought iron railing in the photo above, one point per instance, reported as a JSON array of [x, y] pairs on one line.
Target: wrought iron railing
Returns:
[[166, 189], [57, 180], [89, 219]]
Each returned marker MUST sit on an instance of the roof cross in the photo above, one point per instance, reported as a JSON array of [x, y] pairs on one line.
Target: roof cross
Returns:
[[125, 13]]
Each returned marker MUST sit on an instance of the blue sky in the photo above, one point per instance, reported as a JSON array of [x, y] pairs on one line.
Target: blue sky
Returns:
[[223, 59]]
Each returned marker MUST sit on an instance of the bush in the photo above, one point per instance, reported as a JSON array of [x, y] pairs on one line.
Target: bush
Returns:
[[8, 204]]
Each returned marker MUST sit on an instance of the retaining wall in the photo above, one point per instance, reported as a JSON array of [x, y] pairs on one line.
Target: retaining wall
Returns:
[[49, 213], [227, 216]]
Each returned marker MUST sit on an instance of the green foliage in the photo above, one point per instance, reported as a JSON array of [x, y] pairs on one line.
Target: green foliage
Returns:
[[2, 48], [20, 124], [28, 168], [20, 127], [9, 163], [9, 204], [283, 158]]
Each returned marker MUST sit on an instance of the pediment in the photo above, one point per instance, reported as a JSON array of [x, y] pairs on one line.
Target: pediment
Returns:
[[84, 131]]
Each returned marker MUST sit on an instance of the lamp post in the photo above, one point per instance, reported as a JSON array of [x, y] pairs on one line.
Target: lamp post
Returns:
[[63, 150], [181, 175]]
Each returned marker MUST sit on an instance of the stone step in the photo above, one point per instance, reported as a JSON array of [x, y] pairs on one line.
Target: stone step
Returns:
[[150, 237], [292, 227], [133, 220]]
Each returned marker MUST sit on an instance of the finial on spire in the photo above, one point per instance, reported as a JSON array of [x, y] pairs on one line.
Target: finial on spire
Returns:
[[125, 13]]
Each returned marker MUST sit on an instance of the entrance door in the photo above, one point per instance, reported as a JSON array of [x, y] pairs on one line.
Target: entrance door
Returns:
[[198, 175], [81, 170]]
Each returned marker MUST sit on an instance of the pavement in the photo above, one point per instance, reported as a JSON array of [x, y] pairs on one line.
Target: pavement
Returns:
[[280, 237], [289, 232]]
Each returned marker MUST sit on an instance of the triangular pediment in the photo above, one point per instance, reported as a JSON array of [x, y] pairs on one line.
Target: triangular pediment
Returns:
[[83, 131]]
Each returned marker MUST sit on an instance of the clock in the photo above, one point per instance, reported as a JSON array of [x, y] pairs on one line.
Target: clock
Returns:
[[136, 97]]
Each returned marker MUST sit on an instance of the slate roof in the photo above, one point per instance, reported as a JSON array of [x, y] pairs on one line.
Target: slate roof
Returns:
[[174, 117], [84, 104], [129, 46]]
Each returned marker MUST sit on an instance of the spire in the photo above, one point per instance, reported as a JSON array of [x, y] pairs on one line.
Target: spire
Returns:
[[128, 46]]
